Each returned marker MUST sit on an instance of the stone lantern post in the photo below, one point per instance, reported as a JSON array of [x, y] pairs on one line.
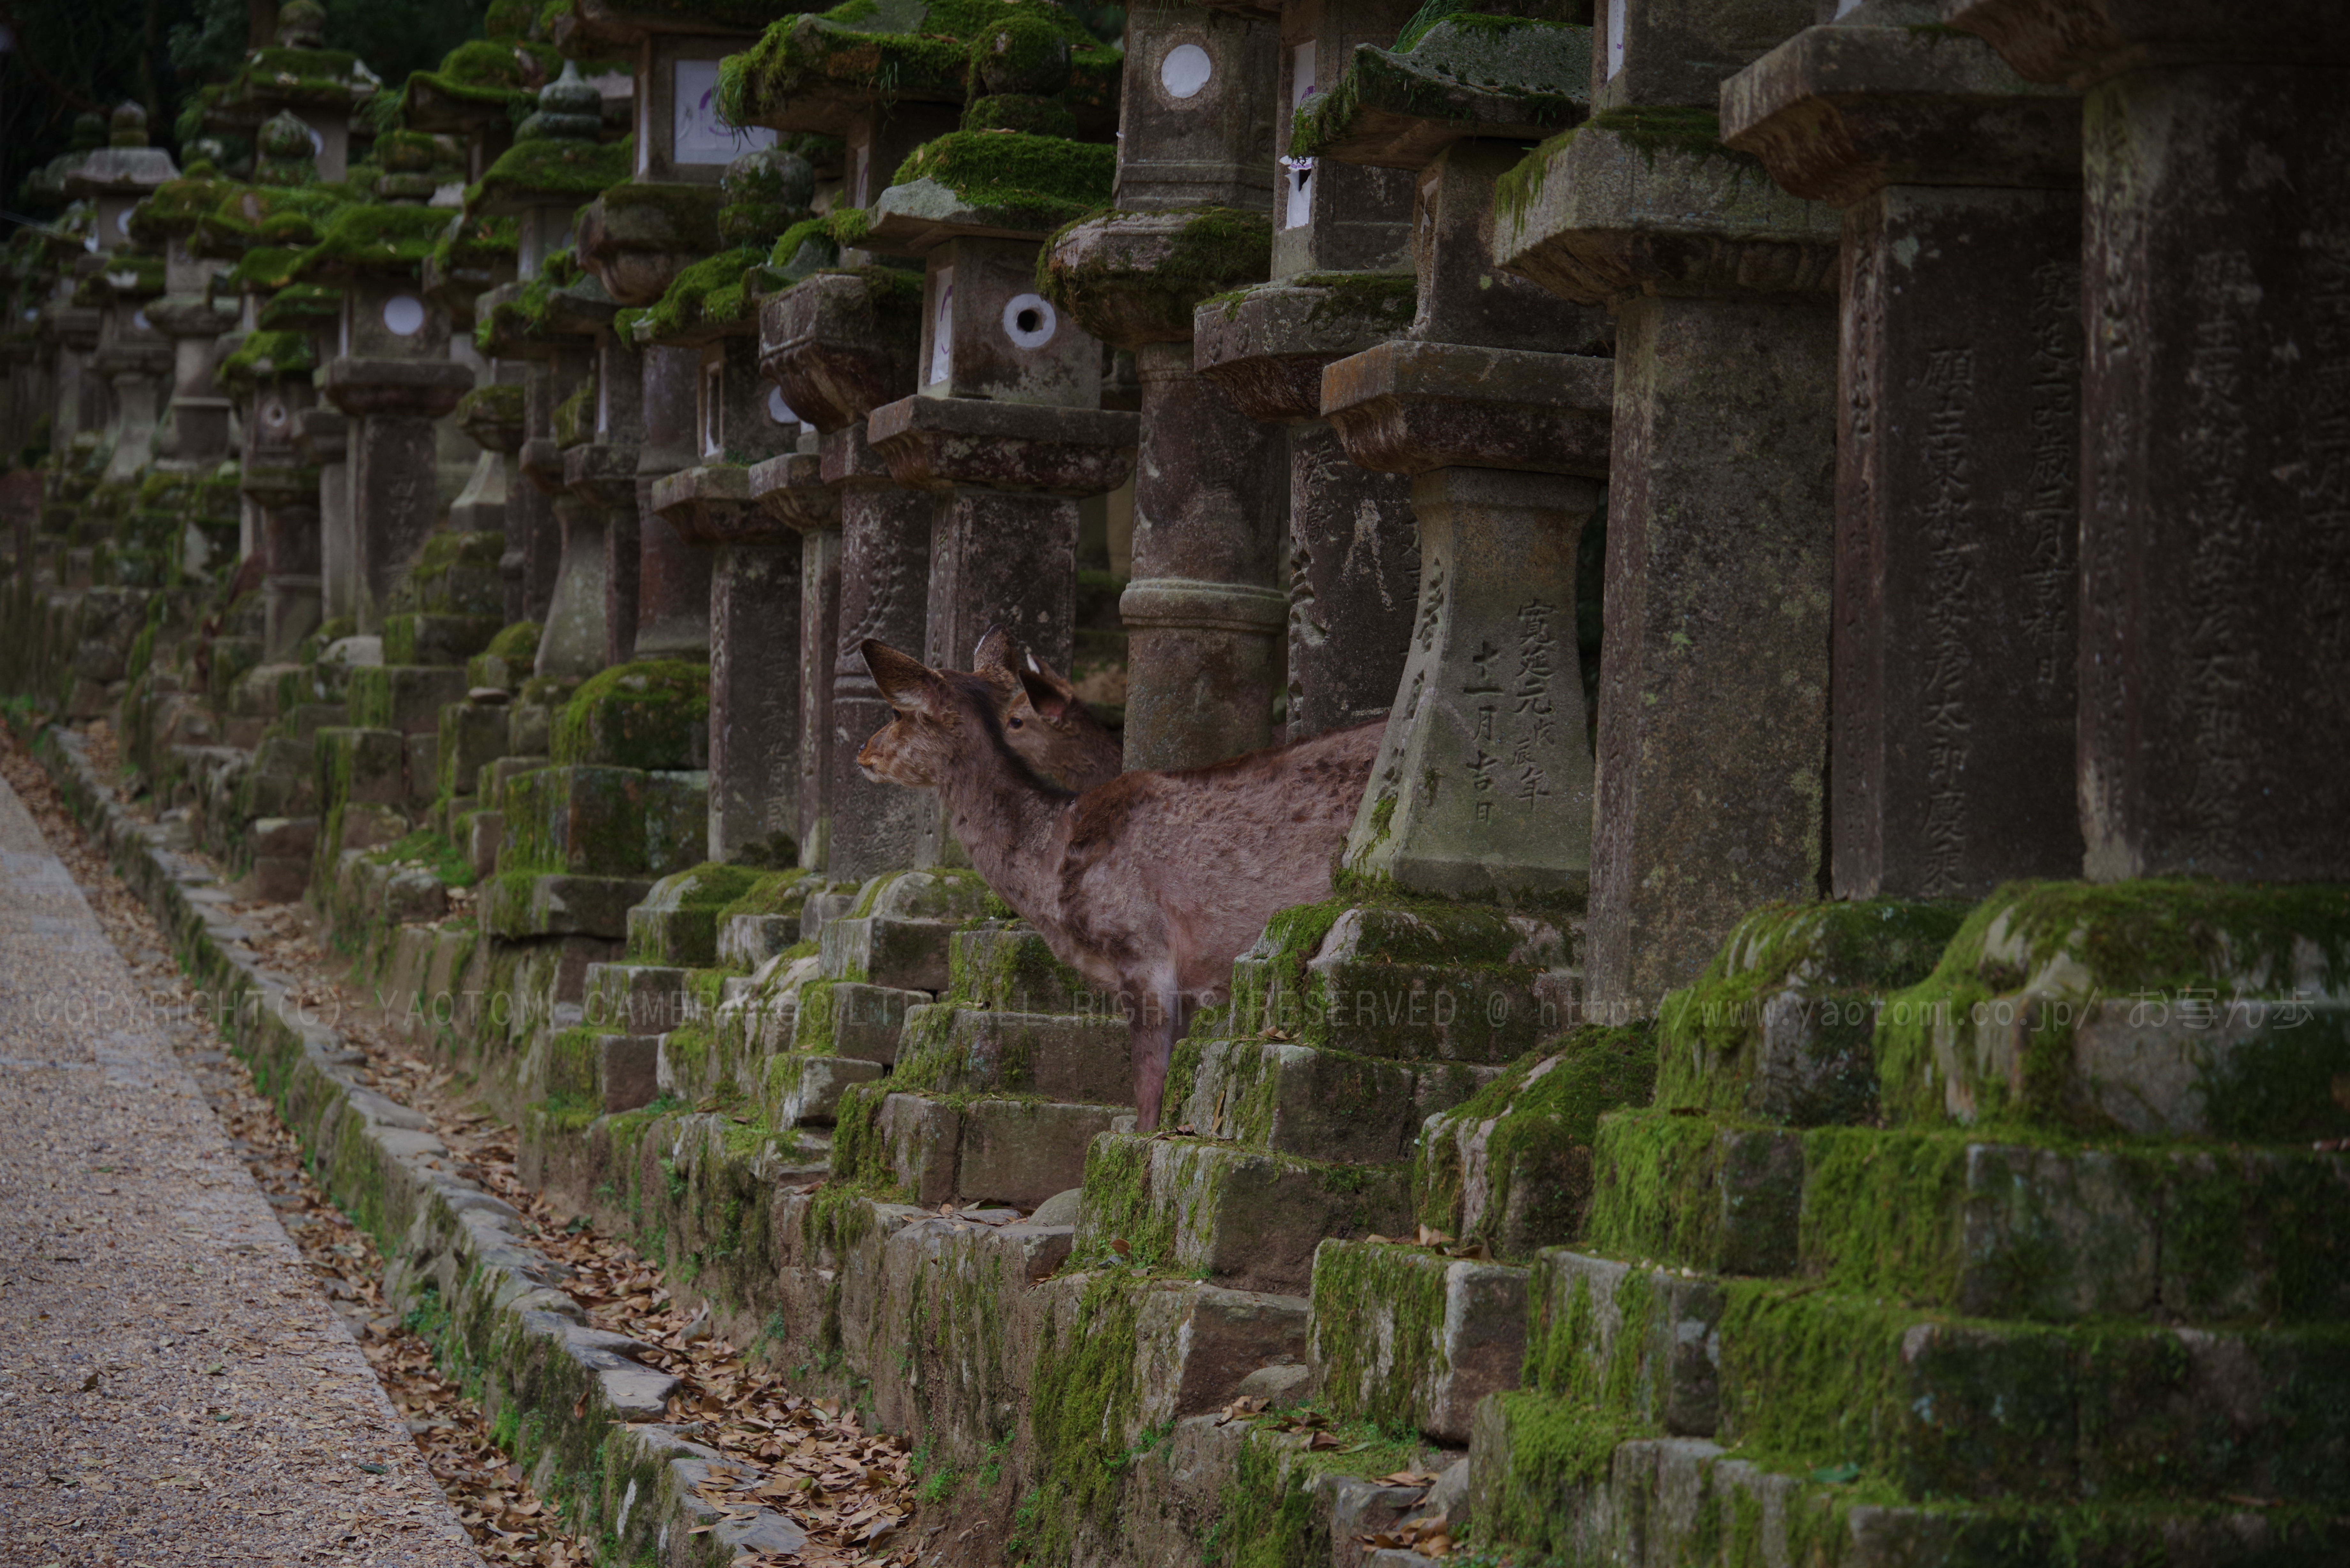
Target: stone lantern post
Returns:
[[1721, 489], [298, 73], [1192, 219], [133, 353], [1339, 285], [555, 541], [1957, 443], [1495, 403], [637, 237], [1004, 430], [2215, 217]]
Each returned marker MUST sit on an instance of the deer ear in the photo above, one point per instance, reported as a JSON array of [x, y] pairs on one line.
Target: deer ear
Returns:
[[993, 654], [1047, 693], [907, 683]]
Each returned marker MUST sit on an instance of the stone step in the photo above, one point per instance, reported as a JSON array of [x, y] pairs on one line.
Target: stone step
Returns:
[[1019, 1152], [429, 639], [518, 905], [678, 922], [2005, 1230], [604, 822], [746, 941], [1780, 1027], [1006, 965], [1322, 1105], [473, 735], [1688, 1500], [1936, 1407], [1424, 982], [2200, 1010], [638, 998], [404, 697], [1512, 1166], [849, 1018], [1405, 1336], [796, 1090], [897, 932], [961, 1050], [1247, 1219], [612, 1073]]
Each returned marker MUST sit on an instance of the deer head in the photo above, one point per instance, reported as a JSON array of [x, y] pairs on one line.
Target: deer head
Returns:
[[918, 748], [1042, 717]]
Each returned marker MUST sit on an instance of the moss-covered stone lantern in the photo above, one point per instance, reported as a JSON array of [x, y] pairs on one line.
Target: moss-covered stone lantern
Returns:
[[322, 87]]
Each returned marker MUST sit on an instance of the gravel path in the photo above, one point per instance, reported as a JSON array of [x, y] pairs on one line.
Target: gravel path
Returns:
[[173, 1389]]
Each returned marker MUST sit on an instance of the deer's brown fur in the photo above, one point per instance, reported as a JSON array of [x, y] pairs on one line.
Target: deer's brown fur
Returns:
[[1150, 885]]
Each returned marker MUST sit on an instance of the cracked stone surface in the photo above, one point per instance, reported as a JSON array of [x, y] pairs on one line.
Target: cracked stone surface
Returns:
[[174, 1388]]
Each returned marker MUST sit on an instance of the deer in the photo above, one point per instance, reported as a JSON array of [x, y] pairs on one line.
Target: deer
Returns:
[[1052, 730], [1149, 885]]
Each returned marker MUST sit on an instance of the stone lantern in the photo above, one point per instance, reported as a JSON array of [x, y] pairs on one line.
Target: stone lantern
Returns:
[[636, 238], [1494, 403], [132, 354], [555, 165], [1720, 489], [1957, 443], [756, 605], [1340, 261], [1005, 431], [321, 86]]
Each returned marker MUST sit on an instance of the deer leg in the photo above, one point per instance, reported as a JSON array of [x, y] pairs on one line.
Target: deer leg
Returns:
[[1151, 1039]]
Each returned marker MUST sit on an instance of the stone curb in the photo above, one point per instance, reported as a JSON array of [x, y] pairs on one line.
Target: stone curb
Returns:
[[574, 1404]]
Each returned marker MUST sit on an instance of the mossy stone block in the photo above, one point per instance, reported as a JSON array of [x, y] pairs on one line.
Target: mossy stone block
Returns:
[[1288, 1098], [1513, 1165], [796, 1090], [424, 637], [517, 904], [360, 766], [1696, 1193], [677, 821], [1250, 1221], [283, 780], [746, 941], [678, 921], [638, 998], [588, 820], [1007, 965], [404, 697], [910, 955], [1418, 981], [232, 657], [2256, 1235], [1781, 1024], [472, 737], [456, 574], [650, 716], [2175, 1413], [1022, 1152], [849, 1018], [1063, 1056], [1639, 1341], [2159, 1008], [1404, 1335]]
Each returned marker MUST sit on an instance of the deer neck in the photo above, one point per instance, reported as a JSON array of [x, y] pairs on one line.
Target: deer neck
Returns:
[[1011, 826]]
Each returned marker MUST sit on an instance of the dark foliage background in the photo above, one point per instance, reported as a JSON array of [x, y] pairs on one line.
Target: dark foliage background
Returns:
[[64, 57]]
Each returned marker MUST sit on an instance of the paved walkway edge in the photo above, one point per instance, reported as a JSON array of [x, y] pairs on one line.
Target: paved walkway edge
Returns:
[[569, 1403]]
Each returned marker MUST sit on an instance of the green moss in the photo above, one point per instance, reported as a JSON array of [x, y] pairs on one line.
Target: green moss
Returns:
[[478, 244], [1373, 300], [650, 715], [1267, 1516], [1032, 181], [1020, 112], [544, 167], [435, 852], [303, 307], [1081, 1412], [711, 292], [1558, 1456], [269, 356], [373, 239], [1539, 1124], [2030, 962], [1216, 248]]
